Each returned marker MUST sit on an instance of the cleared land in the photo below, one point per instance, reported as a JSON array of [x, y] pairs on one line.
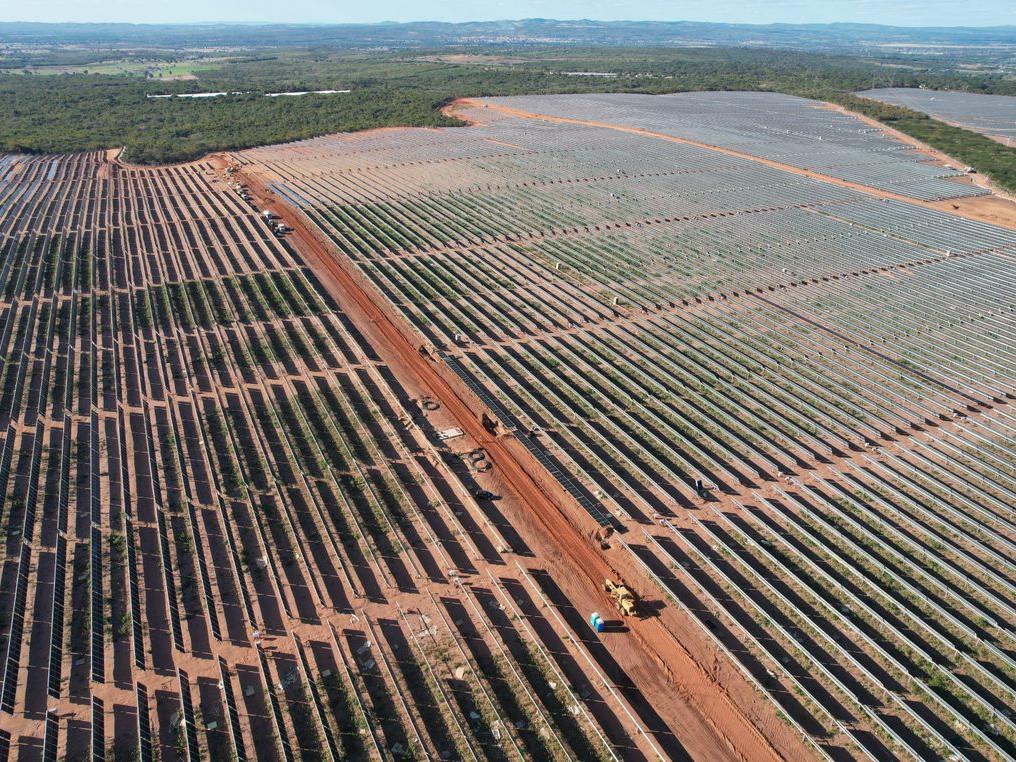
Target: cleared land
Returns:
[[991, 115], [159, 69], [232, 528]]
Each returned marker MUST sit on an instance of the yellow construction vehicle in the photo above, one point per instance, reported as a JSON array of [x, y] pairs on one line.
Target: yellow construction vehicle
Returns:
[[624, 598]]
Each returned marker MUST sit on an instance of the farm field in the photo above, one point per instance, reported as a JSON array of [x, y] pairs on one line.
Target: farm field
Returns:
[[340, 492], [991, 115], [156, 68]]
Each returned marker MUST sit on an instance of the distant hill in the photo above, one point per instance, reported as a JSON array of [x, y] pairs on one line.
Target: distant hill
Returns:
[[521, 32]]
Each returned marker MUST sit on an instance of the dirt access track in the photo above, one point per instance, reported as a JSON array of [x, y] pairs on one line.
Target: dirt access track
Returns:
[[996, 209], [713, 710]]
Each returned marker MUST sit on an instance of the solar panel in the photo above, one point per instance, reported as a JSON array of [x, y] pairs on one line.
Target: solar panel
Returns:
[[316, 695], [12, 662], [56, 634], [190, 725], [174, 609], [98, 615], [287, 749], [52, 737], [146, 751], [234, 716], [98, 730]]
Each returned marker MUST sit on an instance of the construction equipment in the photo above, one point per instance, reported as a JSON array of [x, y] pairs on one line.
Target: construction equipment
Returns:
[[624, 598]]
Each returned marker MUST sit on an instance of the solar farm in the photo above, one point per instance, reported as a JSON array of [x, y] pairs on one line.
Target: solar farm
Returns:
[[780, 128], [991, 115], [325, 450]]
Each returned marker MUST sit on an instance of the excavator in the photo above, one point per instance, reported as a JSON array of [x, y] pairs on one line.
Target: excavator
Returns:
[[624, 598]]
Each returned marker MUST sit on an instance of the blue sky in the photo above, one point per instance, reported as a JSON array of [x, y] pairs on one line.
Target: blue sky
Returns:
[[899, 12]]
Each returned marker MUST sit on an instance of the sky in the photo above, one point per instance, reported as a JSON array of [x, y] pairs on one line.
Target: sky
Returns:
[[894, 12]]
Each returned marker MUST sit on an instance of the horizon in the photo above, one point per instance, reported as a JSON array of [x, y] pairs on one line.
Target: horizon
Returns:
[[900, 13], [392, 22]]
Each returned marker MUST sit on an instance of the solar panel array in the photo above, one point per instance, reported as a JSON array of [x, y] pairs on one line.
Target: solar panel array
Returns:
[[201, 452], [782, 128], [792, 399], [993, 115], [795, 396]]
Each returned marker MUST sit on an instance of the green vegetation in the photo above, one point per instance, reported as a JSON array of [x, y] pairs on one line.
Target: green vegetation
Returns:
[[90, 111], [83, 112]]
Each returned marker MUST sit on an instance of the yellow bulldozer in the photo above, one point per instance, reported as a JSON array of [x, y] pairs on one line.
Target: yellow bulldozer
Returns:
[[624, 598]]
